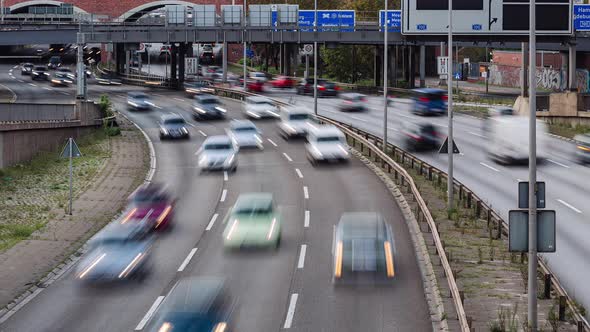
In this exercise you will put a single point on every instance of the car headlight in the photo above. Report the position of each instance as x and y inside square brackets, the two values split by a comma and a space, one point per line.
[46, 74]
[343, 150]
[184, 130]
[55, 81]
[68, 81]
[229, 160]
[258, 139]
[200, 110]
[220, 109]
[317, 151]
[290, 128]
[132, 103]
[164, 131]
[203, 160]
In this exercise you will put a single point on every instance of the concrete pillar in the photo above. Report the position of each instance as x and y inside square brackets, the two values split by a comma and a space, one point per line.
[181, 63]
[411, 68]
[572, 84]
[524, 90]
[224, 62]
[173, 63]
[422, 66]
[353, 51]
[127, 62]
[391, 67]
[378, 62]
[288, 52]
[394, 65]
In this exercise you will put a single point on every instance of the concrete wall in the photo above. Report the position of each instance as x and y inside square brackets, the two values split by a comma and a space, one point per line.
[564, 108]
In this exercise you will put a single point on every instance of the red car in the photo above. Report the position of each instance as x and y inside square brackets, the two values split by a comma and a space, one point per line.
[255, 86]
[150, 204]
[283, 82]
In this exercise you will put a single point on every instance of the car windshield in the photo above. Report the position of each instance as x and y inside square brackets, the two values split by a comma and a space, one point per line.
[175, 121]
[139, 96]
[61, 75]
[28, 65]
[218, 146]
[40, 68]
[184, 321]
[209, 101]
[244, 129]
[148, 197]
[328, 139]
[263, 103]
[54, 60]
[298, 116]
[257, 207]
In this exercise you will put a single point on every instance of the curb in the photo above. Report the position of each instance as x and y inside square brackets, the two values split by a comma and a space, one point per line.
[571, 140]
[14, 96]
[430, 285]
[27, 296]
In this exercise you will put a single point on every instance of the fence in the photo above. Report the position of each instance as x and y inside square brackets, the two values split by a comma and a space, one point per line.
[15, 112]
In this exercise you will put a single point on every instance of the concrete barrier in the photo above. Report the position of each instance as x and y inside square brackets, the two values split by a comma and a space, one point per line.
[25, 112]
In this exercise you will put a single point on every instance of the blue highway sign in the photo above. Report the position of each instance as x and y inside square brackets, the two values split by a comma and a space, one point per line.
[581, 17]
[394, 20]
[327, 19]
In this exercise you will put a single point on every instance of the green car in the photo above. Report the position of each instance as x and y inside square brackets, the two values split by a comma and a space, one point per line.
[253, 222]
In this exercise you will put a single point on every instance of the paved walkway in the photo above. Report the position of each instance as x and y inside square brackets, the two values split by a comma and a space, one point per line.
[30, 260]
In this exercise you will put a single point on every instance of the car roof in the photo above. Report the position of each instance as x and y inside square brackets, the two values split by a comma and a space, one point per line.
[326, 130]
[205, 97]
[194, 294]
[171, 116]
[217, 139]
[28, 64]
[241, 124]
[297, 110]
[352, 95]
[430, 90]
[362, 224]
[253, 199]
[258, 99]
[136, 94]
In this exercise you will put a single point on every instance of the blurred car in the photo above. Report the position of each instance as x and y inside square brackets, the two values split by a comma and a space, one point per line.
[294, 122]
[494, 113]
[255, 86]
[138, 101]
[150, 204]
[260, 107]
[196, 304]
[218, 153]
[582, 148]
[54, 62]
[207, 57]
[61, 79]
[26, 68]
[325, 88]
[209, 71]
[67, 71]
[363, 249]
[173, 126]
[283, 82]
[40, 73]
[108, 79]
[326, 144]
[197, 88]
[244, 134]
[258, 76]
[430, 101]
[253, 222]
[508, 139]
[208, 107]
[420, 136]
[121, 251]
[352, 102]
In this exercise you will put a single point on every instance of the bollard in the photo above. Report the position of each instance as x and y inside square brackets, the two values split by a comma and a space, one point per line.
[499, 235]
[489, 217]
[430, 173]
[562, 303]
[462, 296]
[470, 322]
[580, 326]
[547, 285]
[469, 200]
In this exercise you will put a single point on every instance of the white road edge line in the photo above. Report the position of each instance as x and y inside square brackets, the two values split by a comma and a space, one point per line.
[299, 174]
[359, 119]
[301, 262]
[557, 163]
[224, 175]
[178, 99]
[223, 194]
[149, 314]
[476, 134]
[271, 142]
[202, 133]
[291, 311]
[46, 88]
[210, 225]
[187, 260]
[305, 192]
[569, 205]
[32, 84]
[287, 156]
[306, 219]
[490, 167]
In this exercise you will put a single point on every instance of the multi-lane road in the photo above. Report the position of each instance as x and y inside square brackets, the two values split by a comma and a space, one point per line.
[287, 289]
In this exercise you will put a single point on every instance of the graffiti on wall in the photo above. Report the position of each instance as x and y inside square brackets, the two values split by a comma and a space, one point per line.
[583, 80]
[547, 78]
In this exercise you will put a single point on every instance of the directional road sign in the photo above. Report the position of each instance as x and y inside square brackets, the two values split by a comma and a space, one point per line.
[518, 231]
[582, 17]
[328, 18]
[65, 153]
[394, 20]
[445, 147]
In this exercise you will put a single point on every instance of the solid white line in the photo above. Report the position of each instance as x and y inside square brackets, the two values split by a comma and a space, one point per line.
[13, 77]
[299, 173]
[225, 176]
[187, 260]
[291, 311]
[15, 66]
[176, 98]
[305, 192]
[301, 262]
[476, 134]
[210, 225]
[202, 133]
[557, 163]
[287, 156]
[223, 194]
[31, 84]
[273, 143]
[569, 205]
[306, 220]
[46, 88]
[359, 119]
[149, 314]
[64, 93]
[490, 167]
[21, 81]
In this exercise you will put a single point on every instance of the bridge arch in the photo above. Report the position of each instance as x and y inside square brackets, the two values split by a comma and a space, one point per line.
[21, 7]
[137, 12]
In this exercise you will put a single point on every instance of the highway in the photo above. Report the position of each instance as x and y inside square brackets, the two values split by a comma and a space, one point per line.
[266, 285]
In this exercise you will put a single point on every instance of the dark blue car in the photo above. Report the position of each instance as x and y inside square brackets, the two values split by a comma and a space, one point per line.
[430, 101]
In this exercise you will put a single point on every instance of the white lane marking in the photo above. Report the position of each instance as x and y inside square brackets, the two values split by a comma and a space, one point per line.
[15, 66]
[393, 129]
[21, 81]
[291, 311]
[359, 119]
[64, 93]
[149, 314]
[287, 156]
[306, 219]
[223, 194]
[299, 174]
[569, 205]
[461, 154]
[225, 176]
[490, 167]
[192, 125]
[46, 88]
[202, 133]
[10, 71]
[476, 134]
[301, 261]
[13, 77]
[31, 84]
[182, 100]
[305, 192]
[212, 222]
[271, 142]
[557, 163]
[187, 260]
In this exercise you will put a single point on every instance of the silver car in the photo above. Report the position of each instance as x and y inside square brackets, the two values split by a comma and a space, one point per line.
[138, 101]
[244, 134]
[326, 144]
[260, 107]
[353, 102]
[218, 153]
[295, 121]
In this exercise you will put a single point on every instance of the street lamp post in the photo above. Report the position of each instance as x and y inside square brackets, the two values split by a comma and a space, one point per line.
[315, 59]
[245, 54]
[450, 111]
[385, 63]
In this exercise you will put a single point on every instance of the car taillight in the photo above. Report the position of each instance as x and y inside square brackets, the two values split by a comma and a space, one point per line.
[363, 99]
[337, 88]
[321, 88]
[348, 101]
[424, 99]
[416, 137]
[445, 98]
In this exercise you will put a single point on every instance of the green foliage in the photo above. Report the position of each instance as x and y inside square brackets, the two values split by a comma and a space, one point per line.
[340, 65]
[106, 106]
[248, 62]
[112, 131]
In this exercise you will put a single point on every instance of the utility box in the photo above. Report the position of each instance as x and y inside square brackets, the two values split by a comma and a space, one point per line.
[175, 14]
[260, 15]
[204, 15]
[288, 14]
[231, 14]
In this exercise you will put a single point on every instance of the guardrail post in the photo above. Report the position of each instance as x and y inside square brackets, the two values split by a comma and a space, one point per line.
[499, 235]
[547, 292]
[580, 326]
[489, 217]
[562, 303]
[469, 195]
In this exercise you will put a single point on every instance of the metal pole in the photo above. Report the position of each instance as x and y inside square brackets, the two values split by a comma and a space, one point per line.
[450, 178]
[245, 45]
[532, 282]
[71, 143]
[2, 9]
[385, 63]
[458, 66]
[315, 59]
[80, 67]
[306, 65]
[197, 61]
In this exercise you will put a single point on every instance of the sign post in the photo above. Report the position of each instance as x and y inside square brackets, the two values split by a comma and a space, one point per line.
[450, 178]
[70, 151]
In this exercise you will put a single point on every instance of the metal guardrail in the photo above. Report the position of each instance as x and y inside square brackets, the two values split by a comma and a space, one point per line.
[15, 112]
